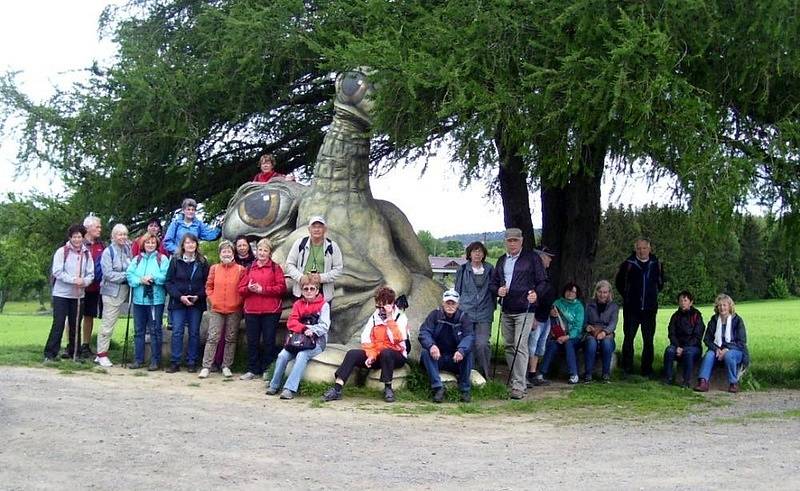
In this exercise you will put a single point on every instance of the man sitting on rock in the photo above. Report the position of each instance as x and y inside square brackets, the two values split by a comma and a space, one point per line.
[446, 337]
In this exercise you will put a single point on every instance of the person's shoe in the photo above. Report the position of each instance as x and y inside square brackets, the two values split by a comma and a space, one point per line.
[517, 394]
[702, 385]
[191, 368]
[573, 379]
[271, 391]
[287, 394]
[685, 384]
[85, 352]
[65, 355]
[587, 378]
[226, 372]
[247, 376]
[540, 381]
[332, 394]
[49, 361]
[172, 368]
[153, 367]
[103, 361]
[606, 378]
[135, 365]
[204, 373]
[733, 388]
[466, 396]
[438, 394]
[668, 381]
[388, 394]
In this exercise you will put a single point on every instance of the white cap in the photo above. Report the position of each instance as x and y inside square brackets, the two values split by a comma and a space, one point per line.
[450, 296]
[315, 219]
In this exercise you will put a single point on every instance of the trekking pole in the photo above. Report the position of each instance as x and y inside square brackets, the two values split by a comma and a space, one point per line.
[76, 338]
[127, 330]
[497, 340]
[519, 340]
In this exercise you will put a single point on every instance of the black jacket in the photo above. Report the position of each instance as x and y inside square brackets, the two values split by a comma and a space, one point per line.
[639, 284]
[449, 334]
[186, 279]
[686, 328]
[529, 274]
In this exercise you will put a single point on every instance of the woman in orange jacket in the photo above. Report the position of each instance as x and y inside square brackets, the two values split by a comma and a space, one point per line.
[383, 342]
[222, 289]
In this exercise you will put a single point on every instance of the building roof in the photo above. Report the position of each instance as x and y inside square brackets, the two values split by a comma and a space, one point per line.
[441, 264]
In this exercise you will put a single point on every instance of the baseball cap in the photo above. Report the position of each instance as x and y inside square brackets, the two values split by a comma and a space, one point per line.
[450, 296]
[315, 219]
[513, 233]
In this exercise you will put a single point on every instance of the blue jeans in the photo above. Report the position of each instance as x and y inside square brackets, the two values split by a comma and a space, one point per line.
[445, 362]
[147, 320]
[570, 348]
[607, 347]
[732, 360]
[537, 339]
[300, 362]
[180, 317]
[690, 356]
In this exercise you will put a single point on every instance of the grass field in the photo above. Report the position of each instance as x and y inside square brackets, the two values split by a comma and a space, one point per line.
[772, 328]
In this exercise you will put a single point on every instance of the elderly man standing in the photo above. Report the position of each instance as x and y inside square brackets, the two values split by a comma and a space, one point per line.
[446, 337]
[639, 279]
[92, 301]
[518, 279]
[317, 256]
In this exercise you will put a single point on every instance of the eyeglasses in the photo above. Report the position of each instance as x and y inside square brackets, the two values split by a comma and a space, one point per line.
[309, 288]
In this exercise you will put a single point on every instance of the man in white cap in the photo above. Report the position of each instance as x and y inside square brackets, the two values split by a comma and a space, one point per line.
[446, 337]
[316, 256]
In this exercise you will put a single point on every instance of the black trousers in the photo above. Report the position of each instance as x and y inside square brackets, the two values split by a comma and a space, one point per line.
[388, 360]
[261, 349]
[65, 310]
[633, 318]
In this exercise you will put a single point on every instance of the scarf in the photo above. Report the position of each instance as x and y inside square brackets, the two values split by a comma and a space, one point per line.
[719, 335]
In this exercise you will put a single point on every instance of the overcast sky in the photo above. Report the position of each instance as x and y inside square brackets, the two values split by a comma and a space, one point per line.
[52, 41]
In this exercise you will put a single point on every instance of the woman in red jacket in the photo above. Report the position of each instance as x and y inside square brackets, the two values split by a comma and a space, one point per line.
[262, 286]
[383, 343]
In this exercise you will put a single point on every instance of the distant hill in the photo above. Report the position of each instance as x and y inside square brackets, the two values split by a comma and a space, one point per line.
[482, 236]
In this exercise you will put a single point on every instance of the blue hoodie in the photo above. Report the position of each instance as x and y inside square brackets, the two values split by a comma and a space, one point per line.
[178, 228]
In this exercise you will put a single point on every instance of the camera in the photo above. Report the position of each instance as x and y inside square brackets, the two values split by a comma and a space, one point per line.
[148, 291]
[310, 319]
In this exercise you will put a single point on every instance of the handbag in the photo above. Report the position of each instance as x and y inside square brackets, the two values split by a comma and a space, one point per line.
[297, 341]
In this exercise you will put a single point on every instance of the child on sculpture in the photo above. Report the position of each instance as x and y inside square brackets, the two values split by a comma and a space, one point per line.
[311, 316]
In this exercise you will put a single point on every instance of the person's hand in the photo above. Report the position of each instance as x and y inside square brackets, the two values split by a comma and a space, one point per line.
[369, 362]
[601, 335]
[254, 287]
[563, 339]
[147, 279]
[502, 291]
[720, 353]
[457, 356]
[532, 296]
[185, 300]
[435, 353]
[679, 351]
[308, 332]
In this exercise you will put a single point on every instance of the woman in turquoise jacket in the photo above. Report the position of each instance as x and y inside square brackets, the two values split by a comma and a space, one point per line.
[146, 275]
[567, 331]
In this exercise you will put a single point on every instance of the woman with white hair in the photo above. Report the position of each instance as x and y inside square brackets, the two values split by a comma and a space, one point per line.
[601, 323]
[726, 339]
[114, 288]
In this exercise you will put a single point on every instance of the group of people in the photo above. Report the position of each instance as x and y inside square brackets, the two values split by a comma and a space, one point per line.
[92, 280]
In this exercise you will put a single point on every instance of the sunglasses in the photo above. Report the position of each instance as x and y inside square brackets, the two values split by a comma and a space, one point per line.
[309, 288]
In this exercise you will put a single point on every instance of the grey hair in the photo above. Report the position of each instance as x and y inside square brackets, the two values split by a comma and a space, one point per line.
[188, 202]
[90, 219]
[604, 284]
[118, 228]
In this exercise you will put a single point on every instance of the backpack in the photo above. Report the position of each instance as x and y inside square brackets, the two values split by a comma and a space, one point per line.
[64, 264]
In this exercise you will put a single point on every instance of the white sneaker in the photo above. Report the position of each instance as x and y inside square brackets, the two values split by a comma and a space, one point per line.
[103, 361]
[573, 379]
[247, 376]
[226, 372]
[203, 373]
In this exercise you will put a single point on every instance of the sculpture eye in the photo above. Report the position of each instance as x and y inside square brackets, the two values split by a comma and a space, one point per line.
[261, 208]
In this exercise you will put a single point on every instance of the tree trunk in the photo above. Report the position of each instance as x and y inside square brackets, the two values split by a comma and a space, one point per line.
[513, 179]
[571, 221]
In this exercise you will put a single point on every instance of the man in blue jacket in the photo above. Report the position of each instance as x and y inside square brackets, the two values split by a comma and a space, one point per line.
[187, 222]
[446, 337]
[639, 279]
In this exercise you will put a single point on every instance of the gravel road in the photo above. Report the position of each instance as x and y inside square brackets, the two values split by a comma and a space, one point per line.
[119, 431]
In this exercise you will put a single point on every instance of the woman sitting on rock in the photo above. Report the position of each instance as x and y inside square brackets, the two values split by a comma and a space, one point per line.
[601, 322]
[311, 317]
[567, 333]
[726, 339]
[383, 342]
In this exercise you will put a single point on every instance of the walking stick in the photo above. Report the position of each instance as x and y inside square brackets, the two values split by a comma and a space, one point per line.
[127, 330]
[519, 340]
[76, 338]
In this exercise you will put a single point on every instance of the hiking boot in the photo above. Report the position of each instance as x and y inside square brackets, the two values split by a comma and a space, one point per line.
[573, 379]
[103, 361]
[388, 394]
[247, 376]
[153, 367]
[85, 352]
[135, 365]
[587, 378]
[271, 391]
[702, 385]
[466, 396]
[668, 381]
[438, 394]
[65, 355]
[226, 372]
[332, 394]
[191, 368]
[733, 388]
[606, 378]
[204, 373]
[172, 368]
[517, 394]
[540, 381]
[287, 394]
